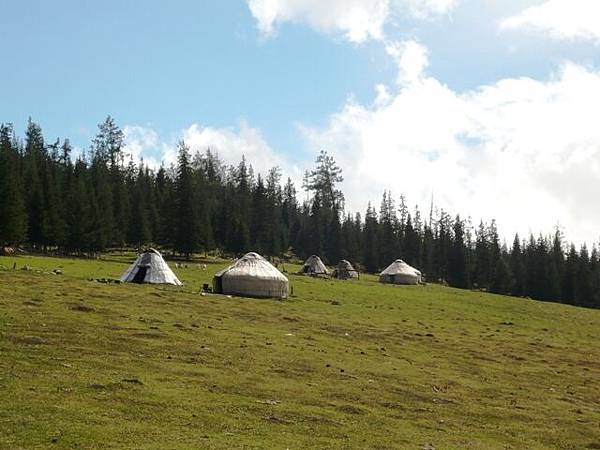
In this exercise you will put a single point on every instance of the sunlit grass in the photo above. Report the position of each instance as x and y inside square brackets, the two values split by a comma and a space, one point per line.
[350, 364]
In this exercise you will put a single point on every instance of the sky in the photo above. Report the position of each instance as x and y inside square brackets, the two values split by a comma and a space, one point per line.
[490, 107]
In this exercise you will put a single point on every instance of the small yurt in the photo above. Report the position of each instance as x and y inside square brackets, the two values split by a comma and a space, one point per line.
[345, 271]
[251, 276]
[313, 266]
[150, 267]
[400, 272]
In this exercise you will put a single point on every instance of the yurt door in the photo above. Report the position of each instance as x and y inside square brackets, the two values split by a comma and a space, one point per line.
[218, 285]
[140, 276]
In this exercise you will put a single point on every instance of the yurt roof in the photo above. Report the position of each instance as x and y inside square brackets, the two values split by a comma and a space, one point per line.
[345, 264]
[315, 262]
[399, 267]
[252, 265]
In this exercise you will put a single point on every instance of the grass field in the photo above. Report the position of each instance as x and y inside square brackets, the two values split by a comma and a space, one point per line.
[338, 365]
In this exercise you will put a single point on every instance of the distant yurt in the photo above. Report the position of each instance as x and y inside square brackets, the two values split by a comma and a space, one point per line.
[400, 272]
[345, 271]
[313, 266]
[150, 267]
[251, 276]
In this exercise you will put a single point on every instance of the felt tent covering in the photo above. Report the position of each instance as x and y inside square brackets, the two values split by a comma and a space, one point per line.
[251, 276]
[314, 266]
[400, 272]
[345, 271]
[150, 267]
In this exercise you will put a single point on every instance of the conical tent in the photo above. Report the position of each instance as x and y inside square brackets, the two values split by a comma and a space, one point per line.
[251, 276]
[345, 271]
[314, 266]
[400, 272]
[150, 267]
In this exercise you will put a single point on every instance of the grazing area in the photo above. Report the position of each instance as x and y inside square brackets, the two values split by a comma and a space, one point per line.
[339, 364]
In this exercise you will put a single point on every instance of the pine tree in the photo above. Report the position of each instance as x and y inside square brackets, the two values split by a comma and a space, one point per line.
[503, 280]
[388, 229]
[517, 267]
[323, 181]
[167, 208]
[569, 283]
[33, 160]
[81, 211]
[428, 266]
[333, 241]
[186, 233]
[315, 228]
[260, 227]
[289, 212]
[458, 272]
[584, 292]
[370, 256]
[276, 231]
[139, 229]
[13, 219]
[443, 244]
[595, 277]
[412, 243]
[483, 257]
[326, 206]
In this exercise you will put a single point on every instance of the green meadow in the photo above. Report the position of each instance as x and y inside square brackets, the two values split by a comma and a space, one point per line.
[338, 365]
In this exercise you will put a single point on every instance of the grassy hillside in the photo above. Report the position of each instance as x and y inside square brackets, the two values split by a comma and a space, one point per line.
[339, 365]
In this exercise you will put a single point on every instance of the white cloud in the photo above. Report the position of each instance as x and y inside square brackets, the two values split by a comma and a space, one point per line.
[523, 151]
[230, 145]
[411, 57]
[561, 19]
[357, 20]
[143, 142]
[429, 8]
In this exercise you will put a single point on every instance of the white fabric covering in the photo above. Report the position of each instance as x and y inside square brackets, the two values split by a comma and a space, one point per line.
[157, 270]
[400, 272]
[314, 266]
[345, 271]
[251, 276]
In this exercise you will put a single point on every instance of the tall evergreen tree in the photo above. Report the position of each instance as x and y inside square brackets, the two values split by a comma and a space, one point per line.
[186, 234]
[388, 231]
[458, 271]
[13, 218]
[517, 267]
[370, 256]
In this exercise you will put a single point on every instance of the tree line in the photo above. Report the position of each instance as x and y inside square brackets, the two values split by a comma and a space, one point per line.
[51, 200]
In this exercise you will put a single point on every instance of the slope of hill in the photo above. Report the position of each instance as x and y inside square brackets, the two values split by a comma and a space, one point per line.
[339, 365]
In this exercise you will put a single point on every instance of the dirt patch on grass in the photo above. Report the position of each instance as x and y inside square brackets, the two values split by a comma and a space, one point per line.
[291, 319]
[80, 307]
[33, 302]
[147, 335]
[28, 340]
[350, 409]
[278, 420]
[116, 385]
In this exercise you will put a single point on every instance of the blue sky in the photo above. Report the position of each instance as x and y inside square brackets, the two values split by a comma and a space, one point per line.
[463, 100]
[169, 64]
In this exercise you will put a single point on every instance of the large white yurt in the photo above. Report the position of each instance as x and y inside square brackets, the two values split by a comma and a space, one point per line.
[313, 266]
[150, 267]
[345, 271]
[400, 272]
[251, 276]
